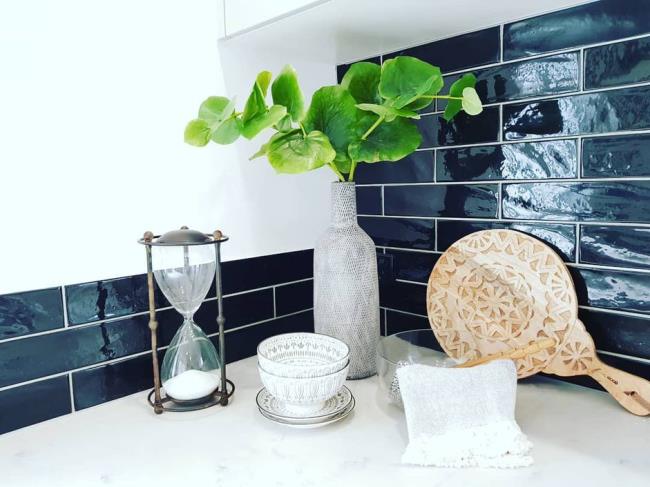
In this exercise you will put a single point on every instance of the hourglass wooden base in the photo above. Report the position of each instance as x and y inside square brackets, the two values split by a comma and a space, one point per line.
[159, 401]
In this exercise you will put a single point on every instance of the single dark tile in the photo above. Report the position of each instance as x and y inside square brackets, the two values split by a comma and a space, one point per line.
[478, 201]
[534, 160]
[550, 75]
[414, 168]
[615, 246]
[585, 24]
[238, 310]
[33, 403]
[560, 237]
[606, 111]
[385, 265]
[463, 129]
[617, 64]
[397, 322]
[382, 321]
[619, 156]
[412, 266]
[110, 298]
[241, 344]
[618, 333]
[109, 382]
[403, 296]
[589, 201]
[369, 200]
[454, 53]
[616, 290]
[413, 233]
[341, 69]
[294, 297]
[246, 274]
[30, 312]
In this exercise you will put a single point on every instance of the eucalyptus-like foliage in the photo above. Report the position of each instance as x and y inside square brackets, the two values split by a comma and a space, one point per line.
[367, 118]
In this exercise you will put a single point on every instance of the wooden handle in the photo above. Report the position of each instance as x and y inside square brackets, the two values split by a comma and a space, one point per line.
[632, 392]
[514, 353]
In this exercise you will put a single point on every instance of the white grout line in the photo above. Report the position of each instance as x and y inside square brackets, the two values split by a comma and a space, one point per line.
[383, 211]
[619, 312]
[406, 281]
[275, 311]
[631, 358]
[65, 308]
[72, 408]
[578, 230]
[501, 29]
[404, 312]
[484, 182]
[407, 249]
[435, 234]
[628, 270]
[278, 285]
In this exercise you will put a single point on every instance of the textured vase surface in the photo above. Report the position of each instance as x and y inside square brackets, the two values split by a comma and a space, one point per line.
[346, 288]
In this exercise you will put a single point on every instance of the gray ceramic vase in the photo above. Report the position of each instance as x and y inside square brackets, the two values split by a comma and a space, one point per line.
[346, 288]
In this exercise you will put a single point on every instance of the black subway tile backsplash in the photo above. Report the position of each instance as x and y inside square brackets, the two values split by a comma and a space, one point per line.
[462, 130]
[411, 266]
[290, 298]
[30, 312]
[618, 64]
[341, 69]
[534, 160]
[32, 403]
[592, 113]
[477, 201]
[615, 290]
[397, 322]
[613, 157]
[617, 333]
[403, 296]
[584, 201]
[615, 246]
[369, 200]
[594, 22]
[415, 233]
[414, 168]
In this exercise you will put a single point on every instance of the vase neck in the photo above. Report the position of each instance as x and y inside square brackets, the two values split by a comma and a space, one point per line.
[344, 204]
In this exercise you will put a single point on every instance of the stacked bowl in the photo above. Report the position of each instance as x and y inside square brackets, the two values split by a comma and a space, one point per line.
[303, 370]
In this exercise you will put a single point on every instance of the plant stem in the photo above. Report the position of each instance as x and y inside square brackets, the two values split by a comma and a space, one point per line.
[304, 134]
[353, 166]
[336, 171]
[372, 127]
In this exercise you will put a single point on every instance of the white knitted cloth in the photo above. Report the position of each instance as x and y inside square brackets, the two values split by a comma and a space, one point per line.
[463, 417]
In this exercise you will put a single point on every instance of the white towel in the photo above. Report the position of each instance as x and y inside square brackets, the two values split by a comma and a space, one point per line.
[463, 417]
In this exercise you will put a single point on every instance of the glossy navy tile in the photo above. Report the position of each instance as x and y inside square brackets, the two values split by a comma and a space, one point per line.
[618, 333]
[586, 24]
[606, 111]
[32, 403]
[618, 64]
[477, 201]
[615, 246]
[588, 201]
[412, 266]
[549, 75]
[616, 290]
[268, 270]
[397, 322]
[110, 298]
[463, 129]
[454, 53]
[369, 200]
[30, 312]
[385, 265]
[403, 296]
[239, 310]
[535, 160]
[108, 382]
[341, 69]
[294, 297]
[414, 168]
[619, 156]
[241, 344]
[560, 237]
[415, 233]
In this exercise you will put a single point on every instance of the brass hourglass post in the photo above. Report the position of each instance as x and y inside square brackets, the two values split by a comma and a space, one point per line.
[218, 236]
[153, 326]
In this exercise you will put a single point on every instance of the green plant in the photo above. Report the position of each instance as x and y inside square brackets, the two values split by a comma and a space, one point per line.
[367, 118]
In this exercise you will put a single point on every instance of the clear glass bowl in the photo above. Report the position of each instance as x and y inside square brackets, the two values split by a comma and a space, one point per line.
[302, 355]
[405, 348]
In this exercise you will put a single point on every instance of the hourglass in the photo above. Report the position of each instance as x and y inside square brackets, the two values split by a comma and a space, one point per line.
[184, 264]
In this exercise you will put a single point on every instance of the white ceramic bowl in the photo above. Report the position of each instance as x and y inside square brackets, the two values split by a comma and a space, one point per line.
[303, 395]
[302, 355]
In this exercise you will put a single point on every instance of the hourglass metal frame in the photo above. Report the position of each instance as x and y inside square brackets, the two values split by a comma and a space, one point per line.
[226, 389]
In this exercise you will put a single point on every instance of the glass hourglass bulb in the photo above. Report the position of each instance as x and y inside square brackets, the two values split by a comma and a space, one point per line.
[191, 366]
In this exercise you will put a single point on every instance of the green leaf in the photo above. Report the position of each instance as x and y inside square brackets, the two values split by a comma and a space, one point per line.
[286, 91]
[362, 81]
[216, 109]
[294, 153]
[333, 112]
[284, 125]
[197, 133]
[253, 126]
[263, 150]
[256, 103]
[471, 102]
[454, 106]
[390, 141]
[405, 80]
[227, 131]
[389, 113]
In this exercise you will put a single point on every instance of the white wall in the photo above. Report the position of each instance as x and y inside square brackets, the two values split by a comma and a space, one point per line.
[94, 96]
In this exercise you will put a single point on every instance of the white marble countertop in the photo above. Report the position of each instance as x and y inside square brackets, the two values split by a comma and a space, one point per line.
[580, 436]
